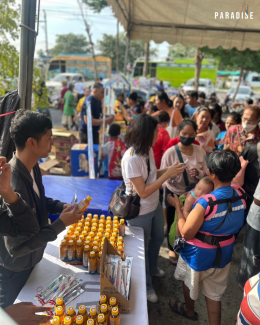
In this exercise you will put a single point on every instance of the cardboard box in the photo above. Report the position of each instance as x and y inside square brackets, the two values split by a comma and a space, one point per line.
[63, 139]
[106, 287]
[79, 159]
[54, 167]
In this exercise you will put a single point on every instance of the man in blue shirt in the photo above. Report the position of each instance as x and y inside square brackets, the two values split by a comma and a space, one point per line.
[96, 112]
[192, 102]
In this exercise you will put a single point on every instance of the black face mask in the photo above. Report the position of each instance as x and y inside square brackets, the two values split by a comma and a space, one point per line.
[186, 141]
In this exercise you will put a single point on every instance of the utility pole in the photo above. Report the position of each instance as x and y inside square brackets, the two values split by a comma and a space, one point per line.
[90, 39]
[146, 60]
[126, 52]
[46, 43]
[117, 47]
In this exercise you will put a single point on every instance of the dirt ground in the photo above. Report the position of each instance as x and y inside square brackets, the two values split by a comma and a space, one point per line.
[169, 288]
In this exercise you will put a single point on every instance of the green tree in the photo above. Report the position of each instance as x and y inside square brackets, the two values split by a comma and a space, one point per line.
[107, 47]
[9, 59]
[70, 43]
[96, 5]
[180, 51]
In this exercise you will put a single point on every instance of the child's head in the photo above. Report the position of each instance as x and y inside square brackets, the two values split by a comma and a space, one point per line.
[114, 130]
[152, 109]
[203, 187]
[163, 119]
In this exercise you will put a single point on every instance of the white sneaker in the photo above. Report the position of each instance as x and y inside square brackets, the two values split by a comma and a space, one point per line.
[160, 273]
[152, 297]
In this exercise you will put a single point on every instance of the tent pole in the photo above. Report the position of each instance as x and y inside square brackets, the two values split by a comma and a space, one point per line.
[126, 53]
[23, 52]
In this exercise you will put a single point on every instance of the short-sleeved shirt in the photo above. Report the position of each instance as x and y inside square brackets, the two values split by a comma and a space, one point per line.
[80, 88]
[135, 166]
[115, 150]
[236, 138]
[63, 92]
[69, 99]
[160, 145]
[190, 110]
[96, 112]
[80, 103]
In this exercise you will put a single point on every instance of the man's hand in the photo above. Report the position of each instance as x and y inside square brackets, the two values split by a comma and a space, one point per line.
[69, 217]
[5, 177]
[24, 313]
[65, 206]
[109, 120]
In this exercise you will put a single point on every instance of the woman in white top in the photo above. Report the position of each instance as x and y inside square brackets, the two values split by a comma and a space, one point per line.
[140, 138]
[194, 156]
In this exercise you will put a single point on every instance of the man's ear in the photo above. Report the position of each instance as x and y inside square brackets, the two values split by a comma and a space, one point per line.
[31, 143]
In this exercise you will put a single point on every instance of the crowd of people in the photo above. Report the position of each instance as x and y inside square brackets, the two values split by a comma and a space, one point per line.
[197, 177]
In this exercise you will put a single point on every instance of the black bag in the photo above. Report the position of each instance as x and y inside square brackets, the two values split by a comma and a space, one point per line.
[125, 206]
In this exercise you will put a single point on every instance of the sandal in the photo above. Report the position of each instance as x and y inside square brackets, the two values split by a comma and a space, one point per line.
[182, 311]
[173, 260]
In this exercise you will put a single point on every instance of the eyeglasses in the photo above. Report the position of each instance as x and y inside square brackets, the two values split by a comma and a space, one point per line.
[247, 120]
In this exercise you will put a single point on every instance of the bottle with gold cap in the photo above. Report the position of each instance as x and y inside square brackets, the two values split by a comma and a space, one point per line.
[102, 217]
[79, 250]
[73, 237]
[105, 312]
[82, 206]
[92, 263]
[84, 234]
[93, 314]
[99, 261]
[71, 312]
[91, 322]
[80, 320]
[60, 312]
[121, 251]
[89, 215]
[81, 237]
[60, 302]
[86, 255]
[101, 320]
[109, 218]
[102, 300]
[114, 317]
[120, 240]
[71, 250]
[96, 250]
[56, 321]
[112, 304]
[87, 243]
[122, 227]
[66, 238]
[115, 218]
[63, 250]
[69, 234]
[89, 238]
[67, 320]
[83, 312]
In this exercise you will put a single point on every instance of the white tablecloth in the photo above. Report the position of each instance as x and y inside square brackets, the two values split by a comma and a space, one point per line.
[51, 267]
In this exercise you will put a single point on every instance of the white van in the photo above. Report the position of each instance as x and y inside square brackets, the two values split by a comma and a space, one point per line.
[253, 79]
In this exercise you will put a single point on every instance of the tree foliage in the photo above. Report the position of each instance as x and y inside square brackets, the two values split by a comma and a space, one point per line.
[9, 59]
[70, 43]
[180, 51]
[107, 47]
[96, 5]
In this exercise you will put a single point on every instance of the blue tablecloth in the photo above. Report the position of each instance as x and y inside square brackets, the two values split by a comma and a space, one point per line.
[63, 188]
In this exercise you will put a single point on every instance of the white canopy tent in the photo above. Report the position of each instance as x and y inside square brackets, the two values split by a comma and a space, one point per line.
[201, 23]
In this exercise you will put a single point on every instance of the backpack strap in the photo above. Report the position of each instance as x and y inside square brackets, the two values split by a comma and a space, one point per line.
[241, 192]
[185, 176]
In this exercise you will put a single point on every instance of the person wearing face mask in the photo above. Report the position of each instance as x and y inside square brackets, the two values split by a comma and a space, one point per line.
[239, 136]
[196, 169]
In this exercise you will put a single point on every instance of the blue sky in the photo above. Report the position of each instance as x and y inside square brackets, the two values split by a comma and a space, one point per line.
[63, 16]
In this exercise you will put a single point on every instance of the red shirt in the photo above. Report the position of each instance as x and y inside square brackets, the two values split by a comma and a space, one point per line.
[64, 90]
[175, 141]
[160, 145]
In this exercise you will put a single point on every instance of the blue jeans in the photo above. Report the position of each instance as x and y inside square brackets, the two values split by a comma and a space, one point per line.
[152, 224]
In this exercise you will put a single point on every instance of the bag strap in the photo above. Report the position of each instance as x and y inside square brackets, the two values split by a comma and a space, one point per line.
[185, 175]
[258, 152]
[148, 168]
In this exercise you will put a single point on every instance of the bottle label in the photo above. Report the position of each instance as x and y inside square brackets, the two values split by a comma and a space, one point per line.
[63, 253]
[71, 254]
[85, 260]
[114, 321]
[121, 231]
[92, 266]
[81, 205]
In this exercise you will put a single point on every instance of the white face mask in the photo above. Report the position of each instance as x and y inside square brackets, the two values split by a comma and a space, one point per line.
[249, 127]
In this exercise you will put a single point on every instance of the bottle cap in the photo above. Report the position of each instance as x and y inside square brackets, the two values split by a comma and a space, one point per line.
[82, 309]
[73, 237]
[100, 254]
[89, 198]
[89, 215]
[92, 254]
[92, 234]
[103, 308]
[87, 243]
[67, 320]
[109, 218]
[90, 322]
[79, 242]
[71, 242]
[107, 235]
[59, 310]
[66, 237]
[95, 216]
[89, 238]
[79, 320]
[112, 301]
[92, 311]
[96, 239]
[115, 218]
[76, 233]
[56, 320]
[122, 221]
[120, 248]
[115, 311]
[63, 242]
[99, 235]
[84, 233]
[120, 238]
[78, 229]
[70, 310]
[103, 299]
[95, 249]
[87, 248]
[101, 318]
[112, 238]
[59, 301]
[102, 217]
[81, 237]
[95, 243]
[112, 243]
[80, 224]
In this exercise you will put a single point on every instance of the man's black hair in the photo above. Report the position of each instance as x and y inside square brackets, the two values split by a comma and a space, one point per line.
[133, 96]
[202, 95]
[154, 108]
[249, 101]
[141, 133]
[27, 124]
[97, 86]
[225, 164]
[192, 93]
[114, 130]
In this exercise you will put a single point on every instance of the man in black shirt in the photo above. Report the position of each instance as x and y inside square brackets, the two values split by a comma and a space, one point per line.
[96, 112]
